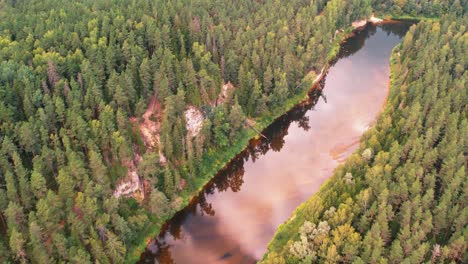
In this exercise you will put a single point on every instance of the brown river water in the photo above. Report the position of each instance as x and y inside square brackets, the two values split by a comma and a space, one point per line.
[236, 215]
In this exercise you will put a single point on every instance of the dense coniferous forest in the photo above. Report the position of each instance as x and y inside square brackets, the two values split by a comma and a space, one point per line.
[111, 111]
[420, 8]
[402, 197]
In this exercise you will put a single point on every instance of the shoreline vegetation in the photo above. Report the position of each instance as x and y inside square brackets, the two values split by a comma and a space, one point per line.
[249, 134]
[331, 214]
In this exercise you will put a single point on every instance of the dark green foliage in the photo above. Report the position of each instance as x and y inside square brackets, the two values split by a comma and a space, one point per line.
[421, 8]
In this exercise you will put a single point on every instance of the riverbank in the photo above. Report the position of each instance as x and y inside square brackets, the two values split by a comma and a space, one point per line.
[216, 161]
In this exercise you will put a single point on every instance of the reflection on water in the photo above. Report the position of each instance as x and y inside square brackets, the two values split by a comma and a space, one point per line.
[235, 216]
[3, 227]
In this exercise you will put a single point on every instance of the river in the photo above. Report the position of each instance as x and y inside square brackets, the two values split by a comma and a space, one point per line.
[235, 216]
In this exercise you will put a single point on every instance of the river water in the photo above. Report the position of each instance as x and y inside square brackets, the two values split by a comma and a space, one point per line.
[235, 216]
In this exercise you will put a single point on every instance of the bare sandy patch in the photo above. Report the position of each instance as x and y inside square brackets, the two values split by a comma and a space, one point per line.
[150, 127]
[194, 119]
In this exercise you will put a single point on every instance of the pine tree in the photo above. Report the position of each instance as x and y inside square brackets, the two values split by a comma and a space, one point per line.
[168, 183]
[11, 190]
[255, 96]
[38, 185]
[396, 252]
[158, 202]
[17, 246]
[280, 91]
[220, 128]
[146, 78]
[23, 181]
[236, 119]
[115, 248]
[190, 83]
[190, 151]
[267, 80]
[38, 249]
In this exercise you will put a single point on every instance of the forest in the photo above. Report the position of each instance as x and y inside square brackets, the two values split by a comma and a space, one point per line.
[402, 197]
[113, 113]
